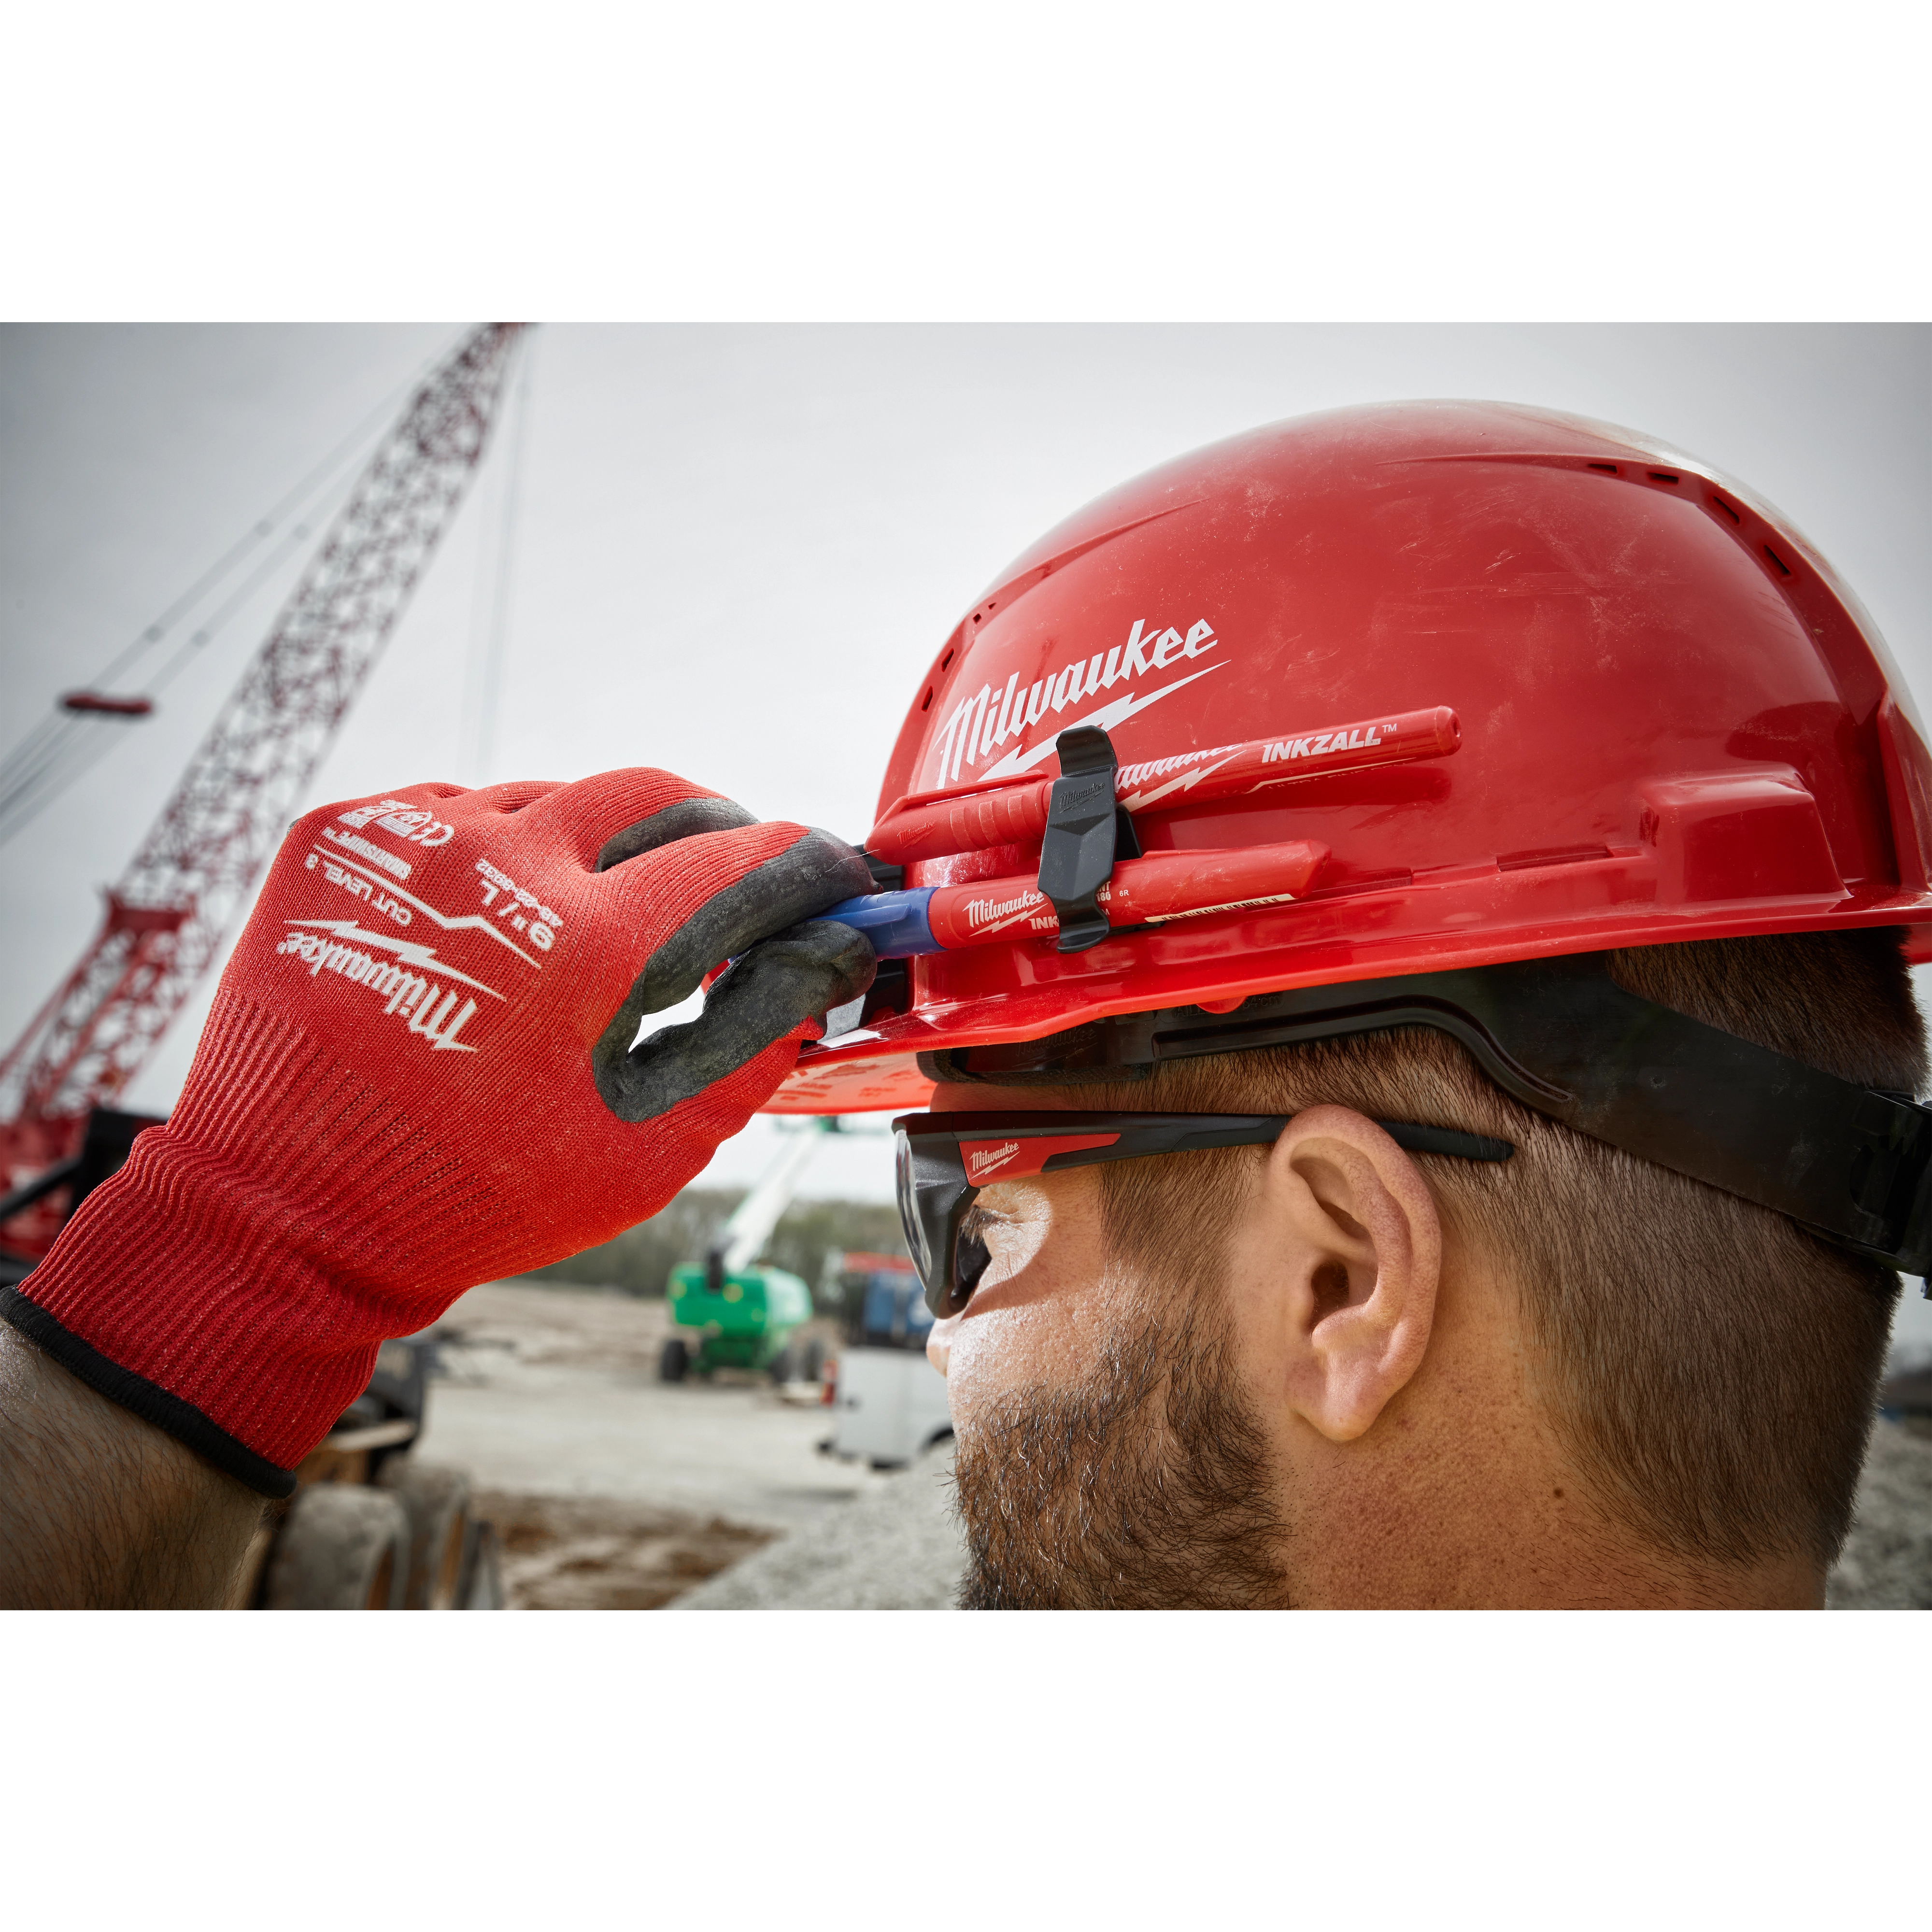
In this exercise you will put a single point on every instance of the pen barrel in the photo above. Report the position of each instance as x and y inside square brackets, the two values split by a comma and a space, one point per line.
[896, 923]
[1234, 771]
[1015, 815]
[1171, 885]
[973, 822]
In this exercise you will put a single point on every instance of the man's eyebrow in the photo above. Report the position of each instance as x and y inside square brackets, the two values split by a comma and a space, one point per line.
[987, 1211]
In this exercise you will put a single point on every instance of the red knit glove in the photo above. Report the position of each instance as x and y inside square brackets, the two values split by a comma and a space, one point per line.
[418, 1075]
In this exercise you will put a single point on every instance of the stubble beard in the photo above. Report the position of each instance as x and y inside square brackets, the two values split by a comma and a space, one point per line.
[1148, 1487]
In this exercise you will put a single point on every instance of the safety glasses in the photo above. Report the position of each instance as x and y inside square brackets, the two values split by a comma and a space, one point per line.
[944, 1160]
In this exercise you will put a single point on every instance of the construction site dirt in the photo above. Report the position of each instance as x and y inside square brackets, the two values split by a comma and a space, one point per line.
[612, 1490]
[596, 1553]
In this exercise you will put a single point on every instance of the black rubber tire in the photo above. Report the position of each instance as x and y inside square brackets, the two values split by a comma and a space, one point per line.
[674, 1364]
[340, 1547]
[482, 1585]
[781, 1368]
[812, 1369]
[438, 1502]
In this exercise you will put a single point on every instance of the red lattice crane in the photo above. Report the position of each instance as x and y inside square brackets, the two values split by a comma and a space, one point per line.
[169, 912]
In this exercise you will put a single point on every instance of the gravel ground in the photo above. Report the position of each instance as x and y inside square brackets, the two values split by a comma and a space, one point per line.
[612, 1490]
[1887, 1563]
[897, 1549]
[554, 1392]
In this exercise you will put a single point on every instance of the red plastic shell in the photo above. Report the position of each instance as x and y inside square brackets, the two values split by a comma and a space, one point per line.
[1676, 722]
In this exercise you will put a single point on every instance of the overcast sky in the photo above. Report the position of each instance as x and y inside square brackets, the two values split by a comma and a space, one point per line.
[738, 547]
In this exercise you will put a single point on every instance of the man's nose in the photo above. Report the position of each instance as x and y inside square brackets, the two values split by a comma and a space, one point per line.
[939, 1343]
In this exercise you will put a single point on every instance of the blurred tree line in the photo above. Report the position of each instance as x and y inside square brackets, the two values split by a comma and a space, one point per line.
[641, 1259]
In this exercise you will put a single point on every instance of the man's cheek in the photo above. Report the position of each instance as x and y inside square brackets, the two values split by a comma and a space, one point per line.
[1033, 1346]
[983, 1357]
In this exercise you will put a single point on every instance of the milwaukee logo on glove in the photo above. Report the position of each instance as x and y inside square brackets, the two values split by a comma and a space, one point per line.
[411, 984]
[417, 1000]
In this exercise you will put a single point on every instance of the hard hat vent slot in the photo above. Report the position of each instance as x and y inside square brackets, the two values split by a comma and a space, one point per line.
[1731, 835]
[1718, 503]
[1777, 563]
[1561, 855]
[1608, 469]
[1664, 476]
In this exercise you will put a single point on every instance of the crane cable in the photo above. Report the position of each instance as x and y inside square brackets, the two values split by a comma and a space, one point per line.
[65, 744]
[491, 611]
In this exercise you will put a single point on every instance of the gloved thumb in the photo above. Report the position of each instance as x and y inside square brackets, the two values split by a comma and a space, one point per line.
[766, 993]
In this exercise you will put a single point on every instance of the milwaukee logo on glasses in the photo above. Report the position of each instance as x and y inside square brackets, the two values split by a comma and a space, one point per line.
[983, 1161]
[1011, 1159]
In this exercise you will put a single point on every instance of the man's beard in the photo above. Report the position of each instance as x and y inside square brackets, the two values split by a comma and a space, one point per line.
[1147, 1487]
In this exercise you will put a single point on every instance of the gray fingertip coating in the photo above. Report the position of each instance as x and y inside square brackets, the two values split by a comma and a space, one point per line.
[814, 871]
[684, 820]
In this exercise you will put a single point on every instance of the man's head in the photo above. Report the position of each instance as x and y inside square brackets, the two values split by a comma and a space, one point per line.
[1475, 768]
[1332, 1371]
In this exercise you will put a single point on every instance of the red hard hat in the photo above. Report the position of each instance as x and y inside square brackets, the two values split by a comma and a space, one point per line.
[1595, 695]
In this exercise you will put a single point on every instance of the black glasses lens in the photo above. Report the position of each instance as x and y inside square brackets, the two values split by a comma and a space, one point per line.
[907, 1189]
[970, 1261]
[933, 1194]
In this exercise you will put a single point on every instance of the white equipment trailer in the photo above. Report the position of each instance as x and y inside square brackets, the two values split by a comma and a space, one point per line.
[888, 1401]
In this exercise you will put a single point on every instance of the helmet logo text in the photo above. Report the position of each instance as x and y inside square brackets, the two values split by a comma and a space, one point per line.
[978, 725]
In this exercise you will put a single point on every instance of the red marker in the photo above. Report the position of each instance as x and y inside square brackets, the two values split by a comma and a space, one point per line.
[1142, 892]
[937, 824]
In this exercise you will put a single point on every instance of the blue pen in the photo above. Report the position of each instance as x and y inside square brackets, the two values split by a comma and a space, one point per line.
[896, 923]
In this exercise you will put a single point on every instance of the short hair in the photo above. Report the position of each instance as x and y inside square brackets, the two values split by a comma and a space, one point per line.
[1712, 1368]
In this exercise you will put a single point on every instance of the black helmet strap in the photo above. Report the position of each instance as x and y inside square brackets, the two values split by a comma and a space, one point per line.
[1853, 1164]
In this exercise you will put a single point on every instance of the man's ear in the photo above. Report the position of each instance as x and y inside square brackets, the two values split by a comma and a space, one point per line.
[1348, 1247]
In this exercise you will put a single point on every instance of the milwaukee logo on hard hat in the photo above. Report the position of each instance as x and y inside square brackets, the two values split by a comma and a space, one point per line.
[980, 724]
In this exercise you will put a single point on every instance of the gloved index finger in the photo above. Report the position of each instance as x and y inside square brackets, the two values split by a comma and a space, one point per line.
[686, 819]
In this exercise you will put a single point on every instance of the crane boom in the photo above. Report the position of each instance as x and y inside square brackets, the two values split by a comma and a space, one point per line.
[168, 913]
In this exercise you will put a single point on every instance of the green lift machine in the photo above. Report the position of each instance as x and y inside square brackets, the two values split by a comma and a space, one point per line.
[732, 1311]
